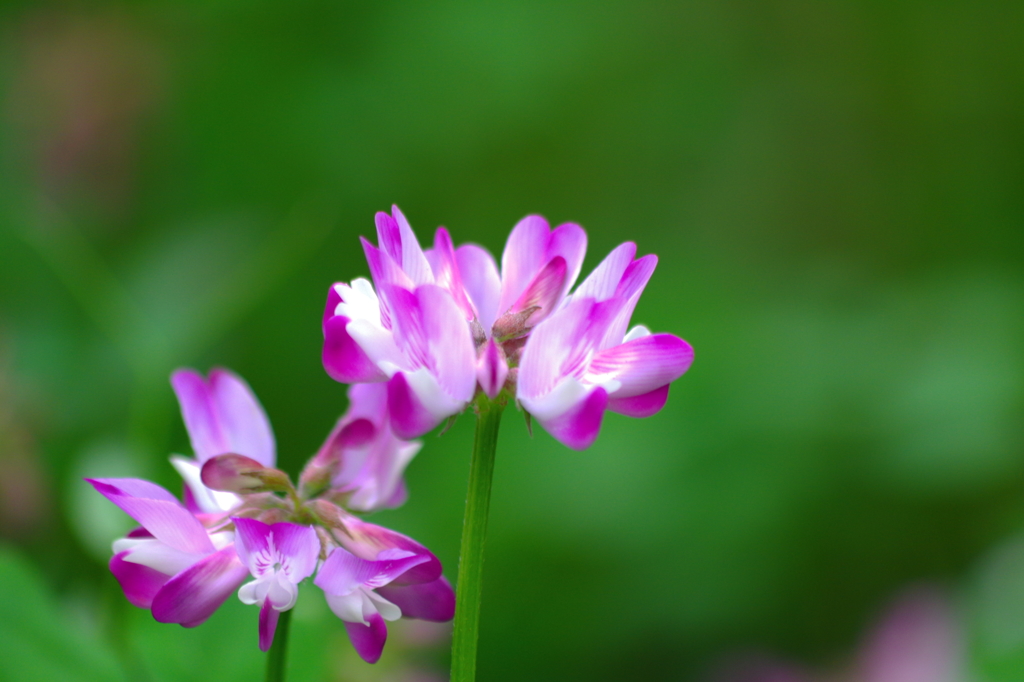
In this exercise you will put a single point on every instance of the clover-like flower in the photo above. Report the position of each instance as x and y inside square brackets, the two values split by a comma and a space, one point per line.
[581, 360]
[279, 557]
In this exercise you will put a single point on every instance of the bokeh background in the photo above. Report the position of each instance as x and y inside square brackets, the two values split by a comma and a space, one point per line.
[836, 194]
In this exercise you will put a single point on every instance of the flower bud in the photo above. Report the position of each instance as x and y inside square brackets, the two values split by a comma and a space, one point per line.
[240, 474]
[324, 466]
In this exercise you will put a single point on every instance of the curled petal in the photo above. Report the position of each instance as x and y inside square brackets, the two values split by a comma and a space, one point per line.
[397, 240]
[243, 475]
[433, 601]
[199, 499]
[368, 640]
[194, 594]
[545, 289]
[140, 583]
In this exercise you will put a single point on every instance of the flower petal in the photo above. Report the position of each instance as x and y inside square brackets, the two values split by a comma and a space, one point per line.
[524, 255]
[570, 242]
[411, 257]
[603, 282]
[446, 272]
[167, 520]
[295, 546]
[491, 369]
[368, 640]
[556, 348]
[343, 572]
[140, 583]
[367, 541]
[544, 292]
[643, 405]
[268, 624]
[481, 280]
[222, 415]
[579, 426]
[194, 594]
[642, 365]
[410, 416]
[433, 601]
[343, 357]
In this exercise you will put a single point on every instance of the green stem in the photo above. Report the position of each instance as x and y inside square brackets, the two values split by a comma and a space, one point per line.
[279, 649]
[474, 531]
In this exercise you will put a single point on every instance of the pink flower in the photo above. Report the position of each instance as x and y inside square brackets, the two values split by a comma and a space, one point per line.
[172, 565]
[279, 557]
[362, 460]
[222, 416]
[581, 360]
[440, 321]
[378, 575]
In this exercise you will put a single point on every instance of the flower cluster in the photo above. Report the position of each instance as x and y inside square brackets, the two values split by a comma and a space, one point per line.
[437, 325]
[435, 329]
[244, 526]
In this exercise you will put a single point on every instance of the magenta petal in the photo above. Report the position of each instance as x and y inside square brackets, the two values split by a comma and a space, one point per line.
[413, 262]
[446, 272]
[570, 242]
[492, 369]
[643, 405]
[333, 299]
[433, 601]
[544, 291]
[409, 418]
[603, 282]
[343, 571]
[449, 342]
[140, 583]
[222, 415]
[343, 358]
[299, 544]
[480, 277]
[194, 594]
[578, 427]
[167, 520]
[525, 253]
[644, 364]
[268, 624]
[368, 640]
[368, 540]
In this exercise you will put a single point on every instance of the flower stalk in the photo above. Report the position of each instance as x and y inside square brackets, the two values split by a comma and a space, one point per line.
[276, 657]
[474, 532]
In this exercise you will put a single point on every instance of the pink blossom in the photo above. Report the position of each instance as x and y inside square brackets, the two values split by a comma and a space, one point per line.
[279, 557]
[581, 360]
[378, 575]
[362, 460]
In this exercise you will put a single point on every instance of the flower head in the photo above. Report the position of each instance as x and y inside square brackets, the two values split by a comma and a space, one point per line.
[247, 519]
[566, 358]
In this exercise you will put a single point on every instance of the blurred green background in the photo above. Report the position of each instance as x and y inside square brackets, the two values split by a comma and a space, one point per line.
[835, 191]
